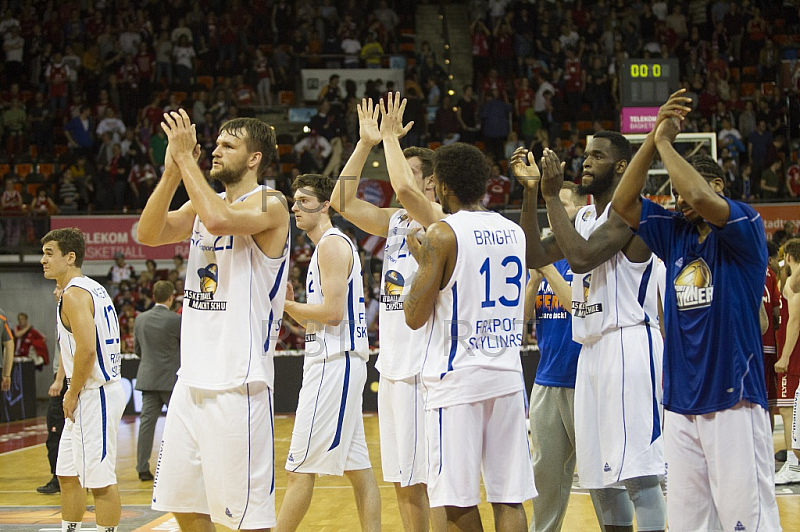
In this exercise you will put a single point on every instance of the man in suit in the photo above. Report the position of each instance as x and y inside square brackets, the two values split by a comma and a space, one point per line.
[156, 340]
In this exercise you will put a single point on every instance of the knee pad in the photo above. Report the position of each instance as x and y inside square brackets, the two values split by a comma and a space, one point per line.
[648, 500]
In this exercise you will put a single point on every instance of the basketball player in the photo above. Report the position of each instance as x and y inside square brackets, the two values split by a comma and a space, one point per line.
[615, 318]
[400, 399]
[551, 412]
[772, 304]
[328, 435]
[788, 366]
[468, 295]
[718, 441]
[217, 457]
[88, 337]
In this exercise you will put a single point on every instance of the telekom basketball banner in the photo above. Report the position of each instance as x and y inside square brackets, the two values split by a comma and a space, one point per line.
[638, 119]
[777, 214]
[105, 235]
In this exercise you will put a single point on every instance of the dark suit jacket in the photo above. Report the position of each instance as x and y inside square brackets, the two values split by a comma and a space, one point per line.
[157, 341]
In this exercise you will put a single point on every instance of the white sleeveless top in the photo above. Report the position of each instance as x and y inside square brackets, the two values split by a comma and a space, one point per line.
[106, 324]
[475, 332]
[232, 309]
[401, 346]
[326, 341]
[618, 293]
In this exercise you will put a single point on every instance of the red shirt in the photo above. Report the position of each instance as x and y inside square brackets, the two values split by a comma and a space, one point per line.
[525, 99]
[771, 299]
[480, 44]
[573, 81]
[144, 61]
[794, 360]
[58, 80]
[496, 190]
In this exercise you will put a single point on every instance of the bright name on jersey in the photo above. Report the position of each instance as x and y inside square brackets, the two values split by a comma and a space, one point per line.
[581, 309]
[498, 237]
[496, 334]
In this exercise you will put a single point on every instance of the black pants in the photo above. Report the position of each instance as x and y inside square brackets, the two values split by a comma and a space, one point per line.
[55, 425]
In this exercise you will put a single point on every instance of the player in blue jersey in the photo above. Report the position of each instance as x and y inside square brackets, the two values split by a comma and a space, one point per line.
[718, 441]
[552, 404]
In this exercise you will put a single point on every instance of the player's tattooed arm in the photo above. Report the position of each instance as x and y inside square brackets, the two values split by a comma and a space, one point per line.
[366, 216]
[435, 254]
[538, 252]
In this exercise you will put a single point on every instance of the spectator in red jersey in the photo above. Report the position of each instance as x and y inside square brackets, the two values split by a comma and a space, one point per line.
[524, 97]
[497, 189]
[574, 83]
[142, 180]
[57, 76]
[772, 305]
[266, 78]
[493, 82]
[30, 342]
[480, 48]
[244, 96]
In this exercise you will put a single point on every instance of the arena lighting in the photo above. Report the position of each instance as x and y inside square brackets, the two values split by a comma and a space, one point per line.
[306, 129]
[375, 164]
[446, 46]
[450, 77]
[446, 61]
[451, 92]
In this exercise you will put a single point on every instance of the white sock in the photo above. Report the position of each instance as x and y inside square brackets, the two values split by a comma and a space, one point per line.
[791, 458]
[101, 528]
[70, 526]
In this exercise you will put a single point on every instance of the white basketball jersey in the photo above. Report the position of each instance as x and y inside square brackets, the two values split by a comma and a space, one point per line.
[475, 332]
[106, 324]
[232, 309]
[326, 341]
[401, 346]
[618, 293]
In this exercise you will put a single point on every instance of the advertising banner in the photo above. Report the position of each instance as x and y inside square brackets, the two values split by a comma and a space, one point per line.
[105, 235]
[638, 119]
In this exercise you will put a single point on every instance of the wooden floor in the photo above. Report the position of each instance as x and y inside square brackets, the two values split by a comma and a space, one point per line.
[24, 466]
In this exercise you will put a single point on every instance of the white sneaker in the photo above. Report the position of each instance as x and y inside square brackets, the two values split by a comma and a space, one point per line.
[787, 476]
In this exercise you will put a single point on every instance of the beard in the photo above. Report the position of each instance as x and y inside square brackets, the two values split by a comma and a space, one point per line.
[229, 175]
[599, 185]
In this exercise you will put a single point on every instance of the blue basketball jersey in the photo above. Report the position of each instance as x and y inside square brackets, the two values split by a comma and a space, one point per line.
[558, 353]
[712, 354]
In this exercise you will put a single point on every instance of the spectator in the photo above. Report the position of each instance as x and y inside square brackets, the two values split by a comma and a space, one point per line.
[158, 150]
[41, 123]
[372, 51]
[184, 55]
[13, 46]
[446, 127]
[142, 180]
[352, 48]
[467, 113]
[57, 75]
[495, 124]
[266, 79]
[415, 111]
[771, 181]
[312, 152]
[30, 342]
[111, 124]
[434, 92]
[163, 58]
[14, 122]
[757, 148]
[11, 208]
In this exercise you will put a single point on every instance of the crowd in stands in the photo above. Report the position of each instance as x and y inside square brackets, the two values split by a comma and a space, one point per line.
[83, 86]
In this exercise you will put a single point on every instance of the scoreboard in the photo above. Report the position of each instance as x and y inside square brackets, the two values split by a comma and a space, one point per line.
[648, 82]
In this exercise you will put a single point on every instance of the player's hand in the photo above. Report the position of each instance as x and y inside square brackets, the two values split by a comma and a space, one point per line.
[180, 132]
[70, 404]
[368, 122]
[668, 130]
[782, 365]
[55, 388]
[289, 292]
[524, 167]
[392, 117]
[418, 246]
[6, 384]
[552, 174]
[676, 107]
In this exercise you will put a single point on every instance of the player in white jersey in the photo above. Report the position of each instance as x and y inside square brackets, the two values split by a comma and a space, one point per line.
[468, 295]
[219, 424]
[88, 337]
[615, 317]
[328, 435]
[400, 399]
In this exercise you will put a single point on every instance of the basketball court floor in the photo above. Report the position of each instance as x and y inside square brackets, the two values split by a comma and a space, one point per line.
[24, 466]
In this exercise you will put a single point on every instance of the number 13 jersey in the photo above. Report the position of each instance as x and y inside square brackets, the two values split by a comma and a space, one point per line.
[106, 325]
[474, 336]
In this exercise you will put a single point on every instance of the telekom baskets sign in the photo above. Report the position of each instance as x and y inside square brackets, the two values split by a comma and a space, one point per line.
[638, 119]
[105, 235]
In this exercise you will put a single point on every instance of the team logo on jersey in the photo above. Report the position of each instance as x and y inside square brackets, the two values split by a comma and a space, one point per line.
[586, 215]
[393, 284]
[204, 299]
[694, 287]
[579, 308]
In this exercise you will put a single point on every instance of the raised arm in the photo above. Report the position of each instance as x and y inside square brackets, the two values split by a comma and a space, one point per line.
[408, 191]
[363, 214]
[333, 252]
[627, 203]
[435, 254]
[248, 217]
[157, 225]
[531, 291]
[560, 286]
[584, 254]
[539, 252]
[693, 187]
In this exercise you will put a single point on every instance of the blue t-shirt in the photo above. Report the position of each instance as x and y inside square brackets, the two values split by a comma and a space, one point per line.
[712, 353]
[558, 354]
